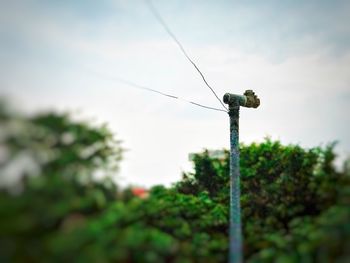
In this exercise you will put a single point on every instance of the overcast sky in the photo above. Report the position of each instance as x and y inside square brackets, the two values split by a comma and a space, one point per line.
[65, 55]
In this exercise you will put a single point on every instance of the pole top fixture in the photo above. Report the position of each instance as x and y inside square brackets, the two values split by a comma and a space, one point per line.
[248, 99]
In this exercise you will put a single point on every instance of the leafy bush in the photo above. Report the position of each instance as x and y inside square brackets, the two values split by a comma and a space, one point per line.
[287, 193]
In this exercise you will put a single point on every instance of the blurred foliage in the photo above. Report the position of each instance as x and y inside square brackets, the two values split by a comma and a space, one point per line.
[295, 205]
[48, 170]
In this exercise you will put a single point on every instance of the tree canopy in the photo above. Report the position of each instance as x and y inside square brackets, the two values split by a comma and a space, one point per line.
[295, 204]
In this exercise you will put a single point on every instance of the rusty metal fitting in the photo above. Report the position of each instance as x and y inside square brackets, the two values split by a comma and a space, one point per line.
[248, 99]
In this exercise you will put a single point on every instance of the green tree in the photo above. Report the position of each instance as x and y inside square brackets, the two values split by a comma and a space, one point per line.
[295, 204]
[54, 161]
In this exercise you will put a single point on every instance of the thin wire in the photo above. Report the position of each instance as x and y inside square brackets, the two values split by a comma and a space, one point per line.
[162, 22]
[132, 84]
[165, 94]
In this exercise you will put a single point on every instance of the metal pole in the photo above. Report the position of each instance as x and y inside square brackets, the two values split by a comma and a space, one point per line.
[235, 208]
[250, 100]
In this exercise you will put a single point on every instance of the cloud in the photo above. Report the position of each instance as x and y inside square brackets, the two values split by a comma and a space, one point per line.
[64, 59]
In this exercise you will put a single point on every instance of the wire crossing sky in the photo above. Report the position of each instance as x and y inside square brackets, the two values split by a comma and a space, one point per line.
[134, 85]
[172, 35]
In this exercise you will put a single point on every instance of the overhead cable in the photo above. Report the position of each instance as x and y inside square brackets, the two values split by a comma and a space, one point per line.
[137, 86]
[171, 34]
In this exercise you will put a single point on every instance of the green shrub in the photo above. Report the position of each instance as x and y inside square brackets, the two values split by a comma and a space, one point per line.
[285, 191]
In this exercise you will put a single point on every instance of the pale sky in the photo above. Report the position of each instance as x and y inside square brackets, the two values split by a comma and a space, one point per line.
[295, 55]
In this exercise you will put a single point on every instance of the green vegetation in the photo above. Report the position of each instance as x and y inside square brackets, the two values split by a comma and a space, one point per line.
[295, 205]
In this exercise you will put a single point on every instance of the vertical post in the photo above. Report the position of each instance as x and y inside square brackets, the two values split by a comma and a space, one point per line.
[235, 255]
[250, 100]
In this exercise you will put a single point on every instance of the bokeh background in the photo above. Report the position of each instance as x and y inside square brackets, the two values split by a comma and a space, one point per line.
[95, 170]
